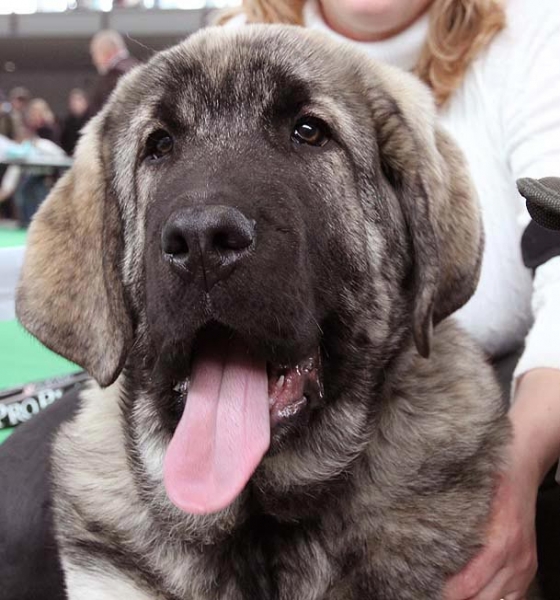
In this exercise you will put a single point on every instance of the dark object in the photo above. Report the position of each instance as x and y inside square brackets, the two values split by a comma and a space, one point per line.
[29, 562]
[543, 200]
[18, 405]
[538, 245]
[48, 132]
[31, 193]
[541, 239]
[71, 132]
[548, 536]
[107, 82]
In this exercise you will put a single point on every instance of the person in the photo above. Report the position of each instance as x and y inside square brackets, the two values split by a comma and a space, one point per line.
[495, 75]
[6, 133]
[6, 123]
[19, 100]
[40, 120]
[31, 185]
[111, 58]
[77, 117]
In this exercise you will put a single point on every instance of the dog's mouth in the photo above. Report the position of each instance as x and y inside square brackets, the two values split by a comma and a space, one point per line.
[291, 389]
[234, 403]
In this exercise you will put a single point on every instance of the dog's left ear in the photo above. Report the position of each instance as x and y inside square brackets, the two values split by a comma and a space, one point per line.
[70, 294]
[429, 175]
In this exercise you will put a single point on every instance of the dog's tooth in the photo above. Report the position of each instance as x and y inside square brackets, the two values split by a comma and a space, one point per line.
[291, 409]
[280, 381]
[182, 387]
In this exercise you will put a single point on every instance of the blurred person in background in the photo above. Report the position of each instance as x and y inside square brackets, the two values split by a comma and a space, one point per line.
[30, 185]
[19, 100]
[6, 122]
[40, 120]
[12, 127]
[77, 117]
[111, 58]
[6, 132]
[494, 70]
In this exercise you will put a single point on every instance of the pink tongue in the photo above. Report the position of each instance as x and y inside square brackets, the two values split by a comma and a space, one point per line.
[224, 431]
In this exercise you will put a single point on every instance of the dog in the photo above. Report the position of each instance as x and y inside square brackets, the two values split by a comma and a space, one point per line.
[255, 255]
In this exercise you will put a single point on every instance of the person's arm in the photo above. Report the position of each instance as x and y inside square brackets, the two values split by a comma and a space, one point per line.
[536, 419]
[9, 182]
[507, 563]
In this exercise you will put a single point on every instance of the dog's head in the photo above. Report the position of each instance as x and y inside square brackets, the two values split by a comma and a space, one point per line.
[258, 222]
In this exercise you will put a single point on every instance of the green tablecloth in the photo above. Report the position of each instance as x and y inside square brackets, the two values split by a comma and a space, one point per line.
[12, 237]
[24, 359]
[4, 433]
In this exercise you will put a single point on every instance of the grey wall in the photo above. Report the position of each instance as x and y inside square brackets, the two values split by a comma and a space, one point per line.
[49, 53]
[50, 68]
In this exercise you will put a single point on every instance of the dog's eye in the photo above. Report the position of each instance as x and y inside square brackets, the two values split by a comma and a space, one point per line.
[158, 145]
[312, 131]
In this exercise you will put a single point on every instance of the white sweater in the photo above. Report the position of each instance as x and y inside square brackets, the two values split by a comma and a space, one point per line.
[506, 119]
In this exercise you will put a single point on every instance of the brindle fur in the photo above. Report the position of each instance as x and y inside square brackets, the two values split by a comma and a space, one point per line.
[364, 247]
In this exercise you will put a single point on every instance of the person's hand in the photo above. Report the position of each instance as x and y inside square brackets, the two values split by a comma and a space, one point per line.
[507, 564]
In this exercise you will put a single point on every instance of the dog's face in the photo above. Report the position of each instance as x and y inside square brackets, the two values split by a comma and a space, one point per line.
[256, 225]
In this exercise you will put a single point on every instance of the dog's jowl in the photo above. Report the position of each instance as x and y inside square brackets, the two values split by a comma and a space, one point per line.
[255, 255]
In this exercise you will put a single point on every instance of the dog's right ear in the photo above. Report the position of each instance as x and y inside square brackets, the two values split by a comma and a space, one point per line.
[70, 294]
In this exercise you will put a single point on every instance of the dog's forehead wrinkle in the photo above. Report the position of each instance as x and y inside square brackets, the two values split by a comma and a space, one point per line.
[246, 72]
[215, 84]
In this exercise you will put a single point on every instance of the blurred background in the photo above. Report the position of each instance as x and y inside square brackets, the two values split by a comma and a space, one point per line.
[44, 44]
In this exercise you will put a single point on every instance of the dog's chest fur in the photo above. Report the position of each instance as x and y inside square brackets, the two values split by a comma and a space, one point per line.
[386, 519]
[272, 560]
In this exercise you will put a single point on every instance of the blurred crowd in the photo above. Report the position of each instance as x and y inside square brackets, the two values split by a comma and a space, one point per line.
[29, 130]
[23, 118]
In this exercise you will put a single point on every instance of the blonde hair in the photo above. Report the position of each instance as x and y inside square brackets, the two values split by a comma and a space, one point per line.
[459, 30]
[39, 110]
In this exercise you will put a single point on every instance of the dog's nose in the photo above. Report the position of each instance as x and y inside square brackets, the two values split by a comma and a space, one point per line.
[207, 238]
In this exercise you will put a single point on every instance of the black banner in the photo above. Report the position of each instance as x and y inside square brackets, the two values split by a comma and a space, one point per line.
[20, 404]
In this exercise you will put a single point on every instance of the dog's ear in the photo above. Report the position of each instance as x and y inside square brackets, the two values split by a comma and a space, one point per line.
[438, 200]
[70, 294]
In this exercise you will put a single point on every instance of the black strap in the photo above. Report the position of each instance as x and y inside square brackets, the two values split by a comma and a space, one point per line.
[541, 240]
[538, 245]
[543, 200]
